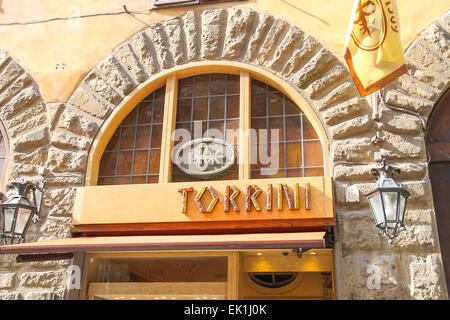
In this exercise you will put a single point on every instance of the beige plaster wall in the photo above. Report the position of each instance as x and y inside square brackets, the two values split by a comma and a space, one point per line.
[59, 53]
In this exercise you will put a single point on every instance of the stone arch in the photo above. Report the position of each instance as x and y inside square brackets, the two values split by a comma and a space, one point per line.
[24, 115]
[236, 34]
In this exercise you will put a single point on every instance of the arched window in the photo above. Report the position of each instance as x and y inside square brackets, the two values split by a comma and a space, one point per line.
[4, 147]
[133, 153]
[282, 140]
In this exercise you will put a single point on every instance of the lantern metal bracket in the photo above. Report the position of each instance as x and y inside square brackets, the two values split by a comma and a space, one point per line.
[28, 197]
[384, 171]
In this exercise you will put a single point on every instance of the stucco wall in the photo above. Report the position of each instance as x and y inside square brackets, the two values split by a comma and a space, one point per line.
[59, 53]
[57, 136]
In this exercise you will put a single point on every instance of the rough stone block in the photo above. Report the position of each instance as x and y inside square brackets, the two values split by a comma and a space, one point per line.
[45, 295]
[57, 227]
[78, 123]
[399, 99]
[68, 140]
[273, 38]
[102, 88]
[27, 124]
[341, 93]
[87, 102]
[265, 21]
[359, 231]
[351, 127]
[212, 33]
[286, 48]
[66, 161]
[130, 63]
[18, 85]
[438, 39]
[175, 36]
[192, 35]
[116, 76]
[409, 85]
[314, 68]
[333, 77]
[30, 112]
[240, 23]
[308, 48]
[144, 51]
[31, 140]
[353, 149]
[7, 280]
[373, 276]
[36, 157]
[160, 43]
[344, 111]
[46, 279]
[20, 102]
[426, 282]
[54, 111]
[9, 74]
[401, 146]
[397, 122]
[416, 236]
[426, 67]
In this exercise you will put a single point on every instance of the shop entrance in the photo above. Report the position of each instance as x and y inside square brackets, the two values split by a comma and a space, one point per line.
[201, 275]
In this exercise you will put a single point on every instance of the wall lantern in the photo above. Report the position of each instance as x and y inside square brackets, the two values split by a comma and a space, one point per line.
[387, 200]
[19, 211]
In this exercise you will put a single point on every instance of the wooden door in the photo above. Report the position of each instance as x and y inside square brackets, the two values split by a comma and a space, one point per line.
[438, 146]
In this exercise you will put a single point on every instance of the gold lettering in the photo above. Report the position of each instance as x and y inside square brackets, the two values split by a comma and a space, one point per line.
[184, 195]
[251, 197]
[288, 197]
[280, 197]
[230, 198]
[213, 202]
[269, 198]
[307, 196]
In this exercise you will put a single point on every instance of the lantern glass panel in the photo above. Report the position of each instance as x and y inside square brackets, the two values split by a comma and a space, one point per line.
[377, 208]
[9, 218]
[22, 218]
[390, 207]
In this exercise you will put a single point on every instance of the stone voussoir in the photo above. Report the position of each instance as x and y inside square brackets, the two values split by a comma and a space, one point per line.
[116, 75]
[175, 34]
[125, 55]
[240, 23]
[212, 33]
[161, 46]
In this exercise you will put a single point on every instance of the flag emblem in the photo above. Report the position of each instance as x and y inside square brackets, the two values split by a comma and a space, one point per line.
[370, 31]
[373, 50]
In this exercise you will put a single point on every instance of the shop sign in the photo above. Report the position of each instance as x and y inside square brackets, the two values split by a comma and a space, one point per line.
[307, 198]
[252, 193]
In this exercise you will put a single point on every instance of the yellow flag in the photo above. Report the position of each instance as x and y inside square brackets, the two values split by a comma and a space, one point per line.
[373, 50]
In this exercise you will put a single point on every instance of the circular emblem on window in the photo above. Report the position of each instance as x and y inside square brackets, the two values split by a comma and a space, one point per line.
[370, 27]
[204, 158]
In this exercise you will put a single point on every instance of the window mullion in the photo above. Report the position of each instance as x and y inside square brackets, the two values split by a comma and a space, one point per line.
[170, 113]
[244, 126]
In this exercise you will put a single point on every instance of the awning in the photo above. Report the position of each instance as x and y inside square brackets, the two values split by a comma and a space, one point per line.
[173, 242]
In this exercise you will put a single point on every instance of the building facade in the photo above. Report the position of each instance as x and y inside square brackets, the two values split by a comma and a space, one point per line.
[95, 99]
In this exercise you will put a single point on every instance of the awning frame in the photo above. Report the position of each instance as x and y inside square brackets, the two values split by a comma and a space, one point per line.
[172, 242]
